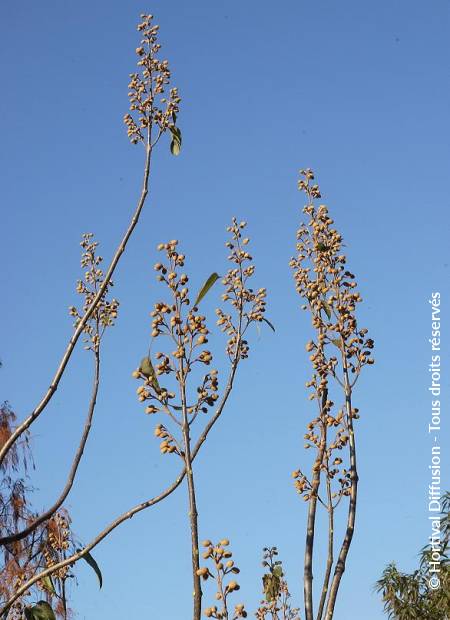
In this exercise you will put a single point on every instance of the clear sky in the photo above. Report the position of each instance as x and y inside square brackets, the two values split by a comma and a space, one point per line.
[359, 91]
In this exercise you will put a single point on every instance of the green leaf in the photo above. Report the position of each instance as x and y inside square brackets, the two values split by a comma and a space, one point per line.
[336, 342]
[175, 145]
[327, 309]
[268, 323]
[48, 584]
[277, 571]
[175, 148]
[322, 247]
[205, 288]
[146, 368]
[41, 611]
[93, 564]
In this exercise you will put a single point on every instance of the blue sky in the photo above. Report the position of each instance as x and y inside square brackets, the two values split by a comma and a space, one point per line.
[359, 92]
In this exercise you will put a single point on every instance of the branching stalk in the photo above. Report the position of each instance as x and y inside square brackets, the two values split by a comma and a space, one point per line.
[329, 290]
[133, 511]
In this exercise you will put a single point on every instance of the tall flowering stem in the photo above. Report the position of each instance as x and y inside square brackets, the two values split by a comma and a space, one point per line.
[192, 392]
[338, 353]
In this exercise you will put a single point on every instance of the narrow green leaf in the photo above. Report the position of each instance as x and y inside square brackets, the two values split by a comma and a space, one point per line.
[41, 611]
[175, 148]
[327, 309]
[146, 368]
[278, 571]
[205, 288]
[175, 145]
[93, 564]
[48, 584]
[268, 323]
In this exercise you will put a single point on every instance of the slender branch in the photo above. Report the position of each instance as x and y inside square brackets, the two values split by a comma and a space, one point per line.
[79, 330]
[73, 470]
[219, 409]
[63, 598]
[193, 513]
[130, 513]
[311, 521]
[222, 592]
[330, 558]
[351, 516]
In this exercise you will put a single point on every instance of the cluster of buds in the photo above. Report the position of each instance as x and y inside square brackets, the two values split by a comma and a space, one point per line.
[301, 483]
[17, 575]
[223, 566]
[58, 541]
[249, 306]
[329, 288]
[277, 596]
[340, 348]
[147, 86]
[168, 443]
[186, 328]
[331, 468]
[106, 310]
